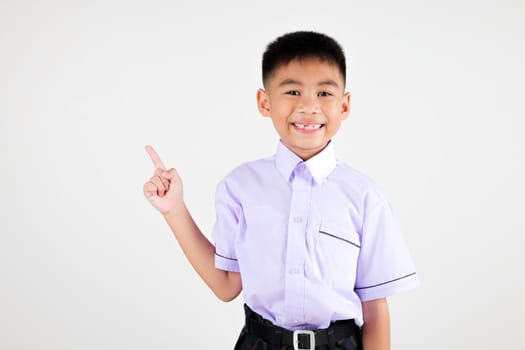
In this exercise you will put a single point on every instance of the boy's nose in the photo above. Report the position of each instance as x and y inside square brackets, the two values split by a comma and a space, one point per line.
[309, 105]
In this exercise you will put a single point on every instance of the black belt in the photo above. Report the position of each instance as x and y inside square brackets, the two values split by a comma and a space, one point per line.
[300, 339]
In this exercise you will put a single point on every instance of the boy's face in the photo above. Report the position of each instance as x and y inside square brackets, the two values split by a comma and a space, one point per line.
[307, 103]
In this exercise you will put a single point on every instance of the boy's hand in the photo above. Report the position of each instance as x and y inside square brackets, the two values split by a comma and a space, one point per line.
[164, 189]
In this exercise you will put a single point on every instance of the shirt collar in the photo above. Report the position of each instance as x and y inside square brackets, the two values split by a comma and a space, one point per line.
[320, 165]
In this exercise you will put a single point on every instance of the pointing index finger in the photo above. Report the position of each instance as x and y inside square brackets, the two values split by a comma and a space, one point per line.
[155, 158]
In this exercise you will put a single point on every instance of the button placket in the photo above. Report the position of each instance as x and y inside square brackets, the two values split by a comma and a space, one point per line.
[296, 243]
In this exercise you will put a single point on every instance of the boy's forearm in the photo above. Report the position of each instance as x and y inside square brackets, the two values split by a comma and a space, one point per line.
[201, 255]
[376, 328]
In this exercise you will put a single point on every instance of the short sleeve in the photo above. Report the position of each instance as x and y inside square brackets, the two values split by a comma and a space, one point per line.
[384, 266]
[225, 231]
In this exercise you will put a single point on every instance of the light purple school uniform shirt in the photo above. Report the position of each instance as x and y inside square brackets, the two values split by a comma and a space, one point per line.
[312, 239]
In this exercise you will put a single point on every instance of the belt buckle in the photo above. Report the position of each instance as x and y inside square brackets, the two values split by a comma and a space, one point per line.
[303, 340]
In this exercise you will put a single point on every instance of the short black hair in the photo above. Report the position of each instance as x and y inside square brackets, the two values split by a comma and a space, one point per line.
[302, 45]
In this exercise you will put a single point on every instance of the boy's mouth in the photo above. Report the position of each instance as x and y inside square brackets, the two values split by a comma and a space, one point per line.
[308, 126]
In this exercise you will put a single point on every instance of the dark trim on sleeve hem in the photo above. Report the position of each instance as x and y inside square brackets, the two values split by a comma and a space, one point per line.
[380, 284]
[225, 257]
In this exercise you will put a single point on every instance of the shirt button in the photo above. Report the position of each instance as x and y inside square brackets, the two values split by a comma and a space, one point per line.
[297, 219]
[293, 271]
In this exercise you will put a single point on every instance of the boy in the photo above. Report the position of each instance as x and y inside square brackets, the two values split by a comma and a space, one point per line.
[311, 242]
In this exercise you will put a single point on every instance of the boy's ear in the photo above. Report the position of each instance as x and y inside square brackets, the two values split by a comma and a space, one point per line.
[263, 103]
[345, 107]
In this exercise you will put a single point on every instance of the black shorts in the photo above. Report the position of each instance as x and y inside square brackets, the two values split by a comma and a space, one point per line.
[252, 340]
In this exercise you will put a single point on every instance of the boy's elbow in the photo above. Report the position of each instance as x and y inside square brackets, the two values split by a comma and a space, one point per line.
[231, 289]
[228, 295]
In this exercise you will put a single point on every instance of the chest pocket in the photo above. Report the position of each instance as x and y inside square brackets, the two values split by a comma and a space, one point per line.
[338, 248]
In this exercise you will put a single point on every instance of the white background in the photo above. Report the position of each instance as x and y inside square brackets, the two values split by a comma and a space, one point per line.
[437, 120]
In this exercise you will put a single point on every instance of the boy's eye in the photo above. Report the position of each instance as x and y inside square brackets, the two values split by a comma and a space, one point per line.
[293, 93]
[324, 94]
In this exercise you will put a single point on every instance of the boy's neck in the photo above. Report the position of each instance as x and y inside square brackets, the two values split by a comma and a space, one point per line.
[306, 155]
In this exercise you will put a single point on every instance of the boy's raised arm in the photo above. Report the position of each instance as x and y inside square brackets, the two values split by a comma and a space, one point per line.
[164, 192]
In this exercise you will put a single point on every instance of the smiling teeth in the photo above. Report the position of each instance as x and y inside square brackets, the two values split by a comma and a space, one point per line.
[308, 126]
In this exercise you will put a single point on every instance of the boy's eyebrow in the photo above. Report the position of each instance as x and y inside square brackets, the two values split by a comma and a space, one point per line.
[296, 82]
[290, 82]
[329, 82]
